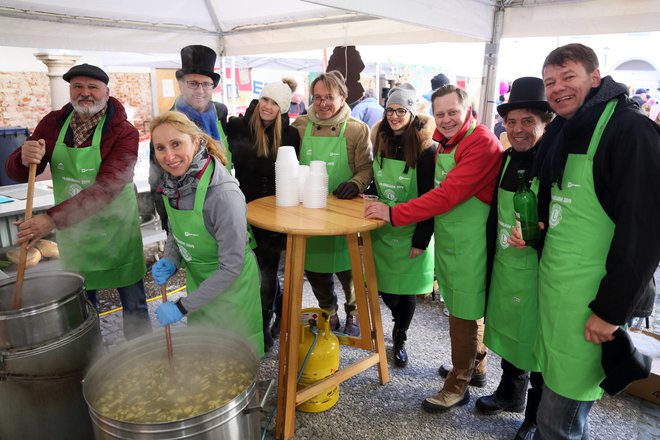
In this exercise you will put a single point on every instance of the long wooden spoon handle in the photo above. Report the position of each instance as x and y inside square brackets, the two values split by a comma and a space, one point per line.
[17, 300]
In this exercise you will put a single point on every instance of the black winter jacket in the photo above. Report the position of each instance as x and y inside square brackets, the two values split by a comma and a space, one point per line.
[627, 182]
[256, 175]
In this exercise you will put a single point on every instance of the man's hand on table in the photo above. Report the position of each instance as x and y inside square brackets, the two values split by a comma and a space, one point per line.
[377, 210]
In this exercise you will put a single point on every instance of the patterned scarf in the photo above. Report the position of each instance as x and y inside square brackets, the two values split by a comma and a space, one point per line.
[171, 185]
[207, 120]
[82, 130]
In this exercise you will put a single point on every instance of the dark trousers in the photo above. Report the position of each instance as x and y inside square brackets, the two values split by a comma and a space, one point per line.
[402, 307]
[513, 385]
[135, 313]
[323, 286]
[268, 253]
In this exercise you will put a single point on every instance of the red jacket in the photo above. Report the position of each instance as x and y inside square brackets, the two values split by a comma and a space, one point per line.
[119, 149]
[478, 160]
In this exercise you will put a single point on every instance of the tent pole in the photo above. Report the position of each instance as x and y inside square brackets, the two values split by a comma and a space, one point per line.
[234, 86]
[489, 78]
[224, 80]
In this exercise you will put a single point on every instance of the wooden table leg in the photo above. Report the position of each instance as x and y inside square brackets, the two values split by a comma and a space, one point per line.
[290, 336]
[365, 340]
[374, 305]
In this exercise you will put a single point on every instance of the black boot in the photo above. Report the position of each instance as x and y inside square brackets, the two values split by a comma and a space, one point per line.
[510, 393]
[400, 356]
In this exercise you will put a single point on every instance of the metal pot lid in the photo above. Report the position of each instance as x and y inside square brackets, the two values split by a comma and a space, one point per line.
[40, 289]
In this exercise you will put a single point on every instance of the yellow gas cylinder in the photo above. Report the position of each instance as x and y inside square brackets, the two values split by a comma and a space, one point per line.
[322, 361]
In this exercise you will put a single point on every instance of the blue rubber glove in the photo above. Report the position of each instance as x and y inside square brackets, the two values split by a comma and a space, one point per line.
[168, 313]
[162, 270]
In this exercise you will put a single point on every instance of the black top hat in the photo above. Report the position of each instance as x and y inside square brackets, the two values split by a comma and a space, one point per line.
[526, 92]
[200, 60]
[86, 70]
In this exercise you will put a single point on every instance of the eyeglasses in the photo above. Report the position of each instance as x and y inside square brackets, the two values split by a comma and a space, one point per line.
[194, 84]
[320, 99]
[400, 112]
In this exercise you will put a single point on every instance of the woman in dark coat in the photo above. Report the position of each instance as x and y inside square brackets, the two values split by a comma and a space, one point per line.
[254, 139]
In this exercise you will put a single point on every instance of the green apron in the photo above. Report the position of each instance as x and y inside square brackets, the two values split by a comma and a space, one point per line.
[460, 248]
[512, 312]
[105, 248]
[396, 272]
[571, 269]
[327, 254]
[239, 307]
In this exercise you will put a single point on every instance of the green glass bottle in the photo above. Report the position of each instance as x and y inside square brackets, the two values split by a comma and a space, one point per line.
[524, 205]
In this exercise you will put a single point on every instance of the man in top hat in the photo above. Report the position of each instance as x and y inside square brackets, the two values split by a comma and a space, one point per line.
[92, 150]
[599, 196]
[197, 80]
[511, 312]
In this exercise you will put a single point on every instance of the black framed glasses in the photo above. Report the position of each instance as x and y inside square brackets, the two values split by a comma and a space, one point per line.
[194, 84]
[400, 112]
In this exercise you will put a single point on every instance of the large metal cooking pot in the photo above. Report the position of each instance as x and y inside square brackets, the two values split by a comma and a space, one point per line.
[54, 303]
[238, 419]
[40, 386]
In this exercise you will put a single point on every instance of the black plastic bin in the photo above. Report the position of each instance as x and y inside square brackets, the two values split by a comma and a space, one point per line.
[10, 139]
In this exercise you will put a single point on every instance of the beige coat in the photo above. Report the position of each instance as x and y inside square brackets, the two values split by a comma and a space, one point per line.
[360, 156]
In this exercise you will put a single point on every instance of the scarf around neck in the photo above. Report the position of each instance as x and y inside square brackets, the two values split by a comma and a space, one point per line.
[206, 120]
[171, 184]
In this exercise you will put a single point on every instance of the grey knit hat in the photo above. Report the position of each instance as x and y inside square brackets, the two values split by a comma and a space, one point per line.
[404, 95]
[279, 92]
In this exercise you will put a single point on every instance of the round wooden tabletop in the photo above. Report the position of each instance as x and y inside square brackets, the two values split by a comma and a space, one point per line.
[339, 217]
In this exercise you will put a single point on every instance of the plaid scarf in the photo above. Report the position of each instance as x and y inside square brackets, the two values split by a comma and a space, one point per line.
[82, 130]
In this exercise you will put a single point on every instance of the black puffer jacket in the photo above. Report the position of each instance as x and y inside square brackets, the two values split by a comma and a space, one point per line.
[256, 175]
[626, 172]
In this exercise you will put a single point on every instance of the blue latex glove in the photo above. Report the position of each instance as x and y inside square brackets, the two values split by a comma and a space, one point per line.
[162, 270]
[168, 313]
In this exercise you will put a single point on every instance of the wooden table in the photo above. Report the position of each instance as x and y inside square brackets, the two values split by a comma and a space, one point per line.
[340, 217]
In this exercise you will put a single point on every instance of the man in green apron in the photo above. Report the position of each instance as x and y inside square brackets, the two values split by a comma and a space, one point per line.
[197, 80]
[511, 312]
[467, 164]
[329, 133]
[599, 168]
[92, 149]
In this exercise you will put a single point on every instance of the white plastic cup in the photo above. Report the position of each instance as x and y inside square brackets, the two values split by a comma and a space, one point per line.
[286, 154]
[318, 166]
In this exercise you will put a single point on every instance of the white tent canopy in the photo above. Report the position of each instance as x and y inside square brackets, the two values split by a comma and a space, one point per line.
[266, 26]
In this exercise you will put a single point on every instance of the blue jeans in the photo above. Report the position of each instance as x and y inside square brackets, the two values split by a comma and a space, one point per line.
[135, 315]
[561, 418]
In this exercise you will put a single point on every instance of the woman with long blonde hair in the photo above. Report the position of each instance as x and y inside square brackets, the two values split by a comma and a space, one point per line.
[253, 141]
[207, 233]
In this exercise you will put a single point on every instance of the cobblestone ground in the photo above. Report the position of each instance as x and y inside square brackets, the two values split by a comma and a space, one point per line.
[368, 410]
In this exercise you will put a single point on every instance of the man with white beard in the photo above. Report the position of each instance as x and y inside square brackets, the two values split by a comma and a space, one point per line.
[92, 149]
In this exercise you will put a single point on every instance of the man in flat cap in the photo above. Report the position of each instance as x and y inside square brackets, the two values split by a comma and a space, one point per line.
[92, 150]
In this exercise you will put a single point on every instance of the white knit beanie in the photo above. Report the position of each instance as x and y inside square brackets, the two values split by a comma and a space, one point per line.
[405, 96]
[278, 92]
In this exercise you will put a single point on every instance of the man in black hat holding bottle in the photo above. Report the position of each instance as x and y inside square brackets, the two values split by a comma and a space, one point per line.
[511, 313]
[197, 80]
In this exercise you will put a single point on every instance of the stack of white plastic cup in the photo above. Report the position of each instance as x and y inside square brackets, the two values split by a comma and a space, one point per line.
[286, 177]
[303, 172]
[316, 186]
